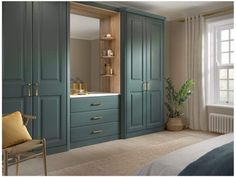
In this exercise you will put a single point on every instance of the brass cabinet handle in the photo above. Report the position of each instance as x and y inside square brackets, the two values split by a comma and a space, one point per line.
[95, 104]
[36, 85]
[144, 86]
[148, 86]
[96, 118]
[29, 92]
[97, 131]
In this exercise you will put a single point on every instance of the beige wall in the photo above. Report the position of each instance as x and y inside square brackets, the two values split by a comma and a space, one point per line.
[177, 59]
[176, 67]
[84, 62]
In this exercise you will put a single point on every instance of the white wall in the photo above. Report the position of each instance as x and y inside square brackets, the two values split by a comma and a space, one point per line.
[176, 67]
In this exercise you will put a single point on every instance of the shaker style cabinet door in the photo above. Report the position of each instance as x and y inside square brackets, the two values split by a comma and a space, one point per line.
[135, 60]
[142, 39]
[34, 66]
[16, 60]
[154, 61]
[49, 71]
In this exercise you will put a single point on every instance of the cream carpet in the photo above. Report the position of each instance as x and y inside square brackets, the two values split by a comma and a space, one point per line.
[114, 158]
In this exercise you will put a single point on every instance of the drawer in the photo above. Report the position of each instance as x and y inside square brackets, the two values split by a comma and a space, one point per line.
[94, 117]
[94, 131]
[94, 103]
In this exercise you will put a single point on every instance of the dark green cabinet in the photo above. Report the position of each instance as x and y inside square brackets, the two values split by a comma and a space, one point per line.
[142, 51]
[35, 64]
[94, 119]
[16, 61]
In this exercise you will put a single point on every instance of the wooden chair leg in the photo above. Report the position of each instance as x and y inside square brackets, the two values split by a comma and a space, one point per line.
[17, 165]
[5, 163]
[44, 157]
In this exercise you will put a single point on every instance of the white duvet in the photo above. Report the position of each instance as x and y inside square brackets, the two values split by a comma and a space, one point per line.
[173, 163]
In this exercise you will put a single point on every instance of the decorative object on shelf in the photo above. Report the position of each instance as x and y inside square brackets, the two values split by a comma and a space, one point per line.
[104, 53]
[111, 71]
[107, 68]
[110, 53]
[79, 87]
[175, 103]
[108, 35]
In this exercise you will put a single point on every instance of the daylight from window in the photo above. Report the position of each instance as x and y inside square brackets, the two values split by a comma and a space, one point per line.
[220, 62]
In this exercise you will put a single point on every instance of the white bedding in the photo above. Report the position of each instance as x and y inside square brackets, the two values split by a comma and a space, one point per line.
[173, 163]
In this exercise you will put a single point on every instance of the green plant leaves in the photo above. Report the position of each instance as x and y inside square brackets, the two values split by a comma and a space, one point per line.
[176, 99]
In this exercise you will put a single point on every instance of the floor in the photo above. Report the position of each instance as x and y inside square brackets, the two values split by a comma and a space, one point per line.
[117, 158]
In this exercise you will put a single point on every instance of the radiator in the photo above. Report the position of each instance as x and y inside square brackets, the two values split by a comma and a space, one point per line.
[221, 123]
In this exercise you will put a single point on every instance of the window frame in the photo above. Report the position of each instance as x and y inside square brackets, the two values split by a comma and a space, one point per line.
[213, 63]
[218, 61]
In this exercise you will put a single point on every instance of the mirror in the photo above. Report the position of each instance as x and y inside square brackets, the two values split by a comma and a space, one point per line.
[84, 51]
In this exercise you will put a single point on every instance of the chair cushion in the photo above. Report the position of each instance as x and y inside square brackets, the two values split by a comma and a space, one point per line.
[14, 130]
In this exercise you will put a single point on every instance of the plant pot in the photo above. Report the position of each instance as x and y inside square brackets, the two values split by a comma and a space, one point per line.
[175, 124]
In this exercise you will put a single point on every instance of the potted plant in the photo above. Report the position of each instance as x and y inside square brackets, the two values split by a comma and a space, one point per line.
[175, 103]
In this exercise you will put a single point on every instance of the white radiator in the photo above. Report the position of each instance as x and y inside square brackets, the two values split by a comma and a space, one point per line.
[221, 123]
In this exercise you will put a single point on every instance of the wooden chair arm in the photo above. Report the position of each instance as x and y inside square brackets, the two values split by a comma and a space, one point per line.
[28, 118]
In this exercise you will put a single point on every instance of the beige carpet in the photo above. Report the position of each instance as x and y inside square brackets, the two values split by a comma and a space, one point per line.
[117, 158]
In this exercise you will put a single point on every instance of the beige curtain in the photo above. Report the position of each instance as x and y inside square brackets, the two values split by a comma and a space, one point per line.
[196, 109]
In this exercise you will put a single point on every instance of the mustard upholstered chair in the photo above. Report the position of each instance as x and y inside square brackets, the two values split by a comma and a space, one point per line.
[16, 153]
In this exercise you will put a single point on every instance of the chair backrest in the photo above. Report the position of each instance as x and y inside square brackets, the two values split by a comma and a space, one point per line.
[26, 118]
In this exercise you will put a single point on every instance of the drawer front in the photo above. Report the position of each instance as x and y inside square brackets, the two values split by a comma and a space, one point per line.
[94, 117]
[94, 103]
[94, 131]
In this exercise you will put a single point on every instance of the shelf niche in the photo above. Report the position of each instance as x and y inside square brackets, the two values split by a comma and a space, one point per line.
[109, 24]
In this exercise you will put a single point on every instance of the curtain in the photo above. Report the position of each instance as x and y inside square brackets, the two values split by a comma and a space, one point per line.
[196, 109]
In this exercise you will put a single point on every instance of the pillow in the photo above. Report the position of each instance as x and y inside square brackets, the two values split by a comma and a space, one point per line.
[13, 130]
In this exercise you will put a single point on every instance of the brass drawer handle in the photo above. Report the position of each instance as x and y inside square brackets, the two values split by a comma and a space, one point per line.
[96, 118]
[95, 104]
[97, 131]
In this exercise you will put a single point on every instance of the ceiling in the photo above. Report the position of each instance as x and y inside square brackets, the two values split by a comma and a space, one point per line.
[82, 27]
[173, 10]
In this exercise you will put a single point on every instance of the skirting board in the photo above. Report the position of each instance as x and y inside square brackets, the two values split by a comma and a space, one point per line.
[143, 132]
[93, 141]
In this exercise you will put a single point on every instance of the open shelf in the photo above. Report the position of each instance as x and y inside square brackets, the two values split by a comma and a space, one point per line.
[107, 75]
[107, 38]
[108, 56]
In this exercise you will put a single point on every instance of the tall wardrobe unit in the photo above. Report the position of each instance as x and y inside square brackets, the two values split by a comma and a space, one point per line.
[35, 62]
[35, 67]
[142, 53]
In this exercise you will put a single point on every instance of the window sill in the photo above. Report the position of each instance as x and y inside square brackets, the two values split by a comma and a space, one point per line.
[220, 106]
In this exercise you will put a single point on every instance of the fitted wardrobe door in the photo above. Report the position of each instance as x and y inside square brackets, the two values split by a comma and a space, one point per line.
[16, 60]
[49, 71]
[154, 33]
[135, 57]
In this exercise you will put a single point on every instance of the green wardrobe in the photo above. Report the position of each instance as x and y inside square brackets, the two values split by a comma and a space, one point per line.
[35, 66]
[142, 53]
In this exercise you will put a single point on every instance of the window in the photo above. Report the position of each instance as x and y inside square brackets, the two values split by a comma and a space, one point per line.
[220, 62]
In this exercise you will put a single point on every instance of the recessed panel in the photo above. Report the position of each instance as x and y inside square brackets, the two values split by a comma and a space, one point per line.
[136, 49]
[154, 109]
[155, 51]
[13, 40]
[51, 118]
[50, 41]
[136, 109]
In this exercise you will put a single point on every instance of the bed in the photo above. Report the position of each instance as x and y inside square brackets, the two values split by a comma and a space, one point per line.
[182, 161]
